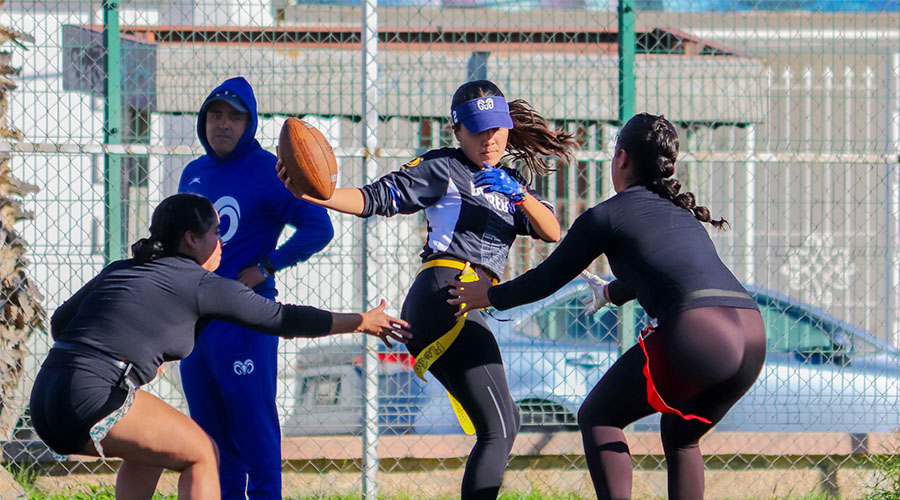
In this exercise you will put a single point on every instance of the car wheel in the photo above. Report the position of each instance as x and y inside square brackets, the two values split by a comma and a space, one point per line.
[539, 415]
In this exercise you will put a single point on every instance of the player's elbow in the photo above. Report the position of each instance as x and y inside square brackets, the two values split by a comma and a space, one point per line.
[56, 327]
[326, 234]
[318, 233]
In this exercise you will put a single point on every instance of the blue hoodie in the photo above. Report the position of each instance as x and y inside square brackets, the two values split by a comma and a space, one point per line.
[253, 204]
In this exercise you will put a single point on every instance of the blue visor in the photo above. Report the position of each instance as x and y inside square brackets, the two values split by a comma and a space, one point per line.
[482, 114]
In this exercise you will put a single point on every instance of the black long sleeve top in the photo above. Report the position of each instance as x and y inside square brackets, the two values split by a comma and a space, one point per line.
[146, 314]
[659, 253]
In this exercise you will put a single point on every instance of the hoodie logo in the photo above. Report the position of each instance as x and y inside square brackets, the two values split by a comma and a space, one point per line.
[228, 208]
[195, 180]
[243, 368]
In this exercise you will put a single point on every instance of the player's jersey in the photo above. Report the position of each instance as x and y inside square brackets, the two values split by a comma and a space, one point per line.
[463, 221]
[150, 313]
[659, 253]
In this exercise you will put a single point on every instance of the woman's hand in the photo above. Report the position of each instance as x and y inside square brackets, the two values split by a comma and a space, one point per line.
[283, 177]
[250, 276]
[346, 200]
[598, 297]
[470, 295]
[383, 326]
[542, 219]
[496, 180]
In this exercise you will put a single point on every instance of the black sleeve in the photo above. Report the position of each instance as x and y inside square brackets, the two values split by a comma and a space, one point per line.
[408, 190]
[619, 292]
[582, 244]
[66, 311]
[229, 300]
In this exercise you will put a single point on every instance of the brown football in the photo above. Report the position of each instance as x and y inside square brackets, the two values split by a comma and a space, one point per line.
[308, 159]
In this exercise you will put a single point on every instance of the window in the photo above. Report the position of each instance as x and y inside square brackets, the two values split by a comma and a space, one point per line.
[787, 330]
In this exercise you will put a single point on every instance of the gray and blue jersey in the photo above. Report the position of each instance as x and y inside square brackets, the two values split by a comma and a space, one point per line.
[463, 221]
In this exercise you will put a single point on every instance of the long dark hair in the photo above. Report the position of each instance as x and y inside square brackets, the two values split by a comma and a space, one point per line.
[530, 139]
[173, 217]
[651, 142]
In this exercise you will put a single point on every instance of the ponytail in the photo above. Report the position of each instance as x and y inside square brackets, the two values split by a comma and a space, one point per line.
[530, 139]
[669, 189]
[147, 249]
[652, 144]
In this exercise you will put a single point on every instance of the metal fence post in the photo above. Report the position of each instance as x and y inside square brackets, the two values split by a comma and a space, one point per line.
[892, 186]
[627, 43]
[627, 50]
[750, 206]
[370, 138]
[112, 132]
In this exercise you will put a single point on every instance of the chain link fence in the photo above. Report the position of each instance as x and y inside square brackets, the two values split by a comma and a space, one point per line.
[789, 118]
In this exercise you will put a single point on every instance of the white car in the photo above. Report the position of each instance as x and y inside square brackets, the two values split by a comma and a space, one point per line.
[821, 374]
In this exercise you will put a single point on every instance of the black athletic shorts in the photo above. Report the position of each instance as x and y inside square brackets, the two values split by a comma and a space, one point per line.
[72, 392]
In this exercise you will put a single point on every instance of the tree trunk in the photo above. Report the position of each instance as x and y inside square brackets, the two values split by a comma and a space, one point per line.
[21, 312]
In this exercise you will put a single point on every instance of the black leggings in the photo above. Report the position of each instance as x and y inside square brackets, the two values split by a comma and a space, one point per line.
[702, 362]
[472, 370]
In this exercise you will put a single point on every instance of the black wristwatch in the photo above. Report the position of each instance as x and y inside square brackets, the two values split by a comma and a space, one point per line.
[266, 268]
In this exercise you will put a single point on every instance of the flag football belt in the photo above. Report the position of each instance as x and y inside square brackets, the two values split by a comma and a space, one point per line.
[436, 349]
[653, 396]
[80, 348]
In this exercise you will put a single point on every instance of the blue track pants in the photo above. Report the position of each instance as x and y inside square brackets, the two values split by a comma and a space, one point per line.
[230, 384]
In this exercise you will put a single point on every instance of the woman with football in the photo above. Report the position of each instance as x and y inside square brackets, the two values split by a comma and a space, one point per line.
[476, 203]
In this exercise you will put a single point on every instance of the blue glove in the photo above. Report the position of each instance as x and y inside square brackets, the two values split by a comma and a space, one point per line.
[495, 180]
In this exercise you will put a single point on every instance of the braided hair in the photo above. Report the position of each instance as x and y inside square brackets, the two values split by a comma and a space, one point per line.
[173, 217]
[530, 139]
[651, 142]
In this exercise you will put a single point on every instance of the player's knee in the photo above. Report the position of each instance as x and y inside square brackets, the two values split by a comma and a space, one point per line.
[584, 423]
[589, 417]
[676, 441]
[204, 453]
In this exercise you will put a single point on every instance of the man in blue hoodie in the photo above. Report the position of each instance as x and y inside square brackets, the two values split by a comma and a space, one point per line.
[230, 378]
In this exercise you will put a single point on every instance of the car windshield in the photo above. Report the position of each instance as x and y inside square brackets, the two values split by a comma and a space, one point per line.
[795, 329]
[787, 330]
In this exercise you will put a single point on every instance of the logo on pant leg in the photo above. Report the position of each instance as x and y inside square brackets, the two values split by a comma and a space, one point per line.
[243, 367]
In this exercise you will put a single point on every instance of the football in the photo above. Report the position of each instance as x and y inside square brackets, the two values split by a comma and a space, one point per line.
[308, 159]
